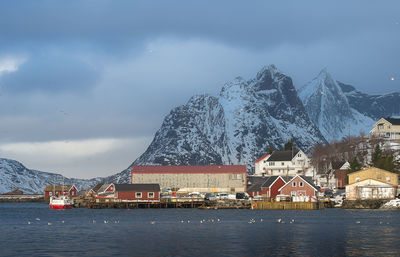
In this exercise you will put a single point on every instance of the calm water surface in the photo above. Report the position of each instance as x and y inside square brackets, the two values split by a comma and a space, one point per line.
[179, 232]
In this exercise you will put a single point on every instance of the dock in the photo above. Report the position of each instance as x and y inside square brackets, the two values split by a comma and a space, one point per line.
[260, 205]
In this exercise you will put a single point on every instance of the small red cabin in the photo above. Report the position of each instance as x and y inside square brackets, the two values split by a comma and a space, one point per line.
[267, 187]
[138, 192]
[56, 190]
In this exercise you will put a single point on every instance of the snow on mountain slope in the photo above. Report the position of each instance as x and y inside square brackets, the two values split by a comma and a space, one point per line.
[329, 108]
[236, 127]
[14, 175]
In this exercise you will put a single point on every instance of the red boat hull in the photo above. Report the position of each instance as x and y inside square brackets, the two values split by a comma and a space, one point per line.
[60, 207]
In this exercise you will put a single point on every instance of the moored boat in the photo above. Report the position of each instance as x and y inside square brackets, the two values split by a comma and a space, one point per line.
[60, 202]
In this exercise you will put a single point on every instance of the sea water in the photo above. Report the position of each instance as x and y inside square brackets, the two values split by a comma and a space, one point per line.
[32, 229]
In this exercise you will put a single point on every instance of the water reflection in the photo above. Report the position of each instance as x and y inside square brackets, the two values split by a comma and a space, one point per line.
[314, 233]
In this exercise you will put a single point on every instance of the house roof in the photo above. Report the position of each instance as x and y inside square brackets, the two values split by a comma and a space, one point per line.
[270, 181]
[137, 187]
[65, 188]
[308, 180]
[371, 169]
[97, 187]
[103, 188]
[393, 121]
[190, 169]
[256, 183]
[283, 155]
[262, 157]
[337, 165]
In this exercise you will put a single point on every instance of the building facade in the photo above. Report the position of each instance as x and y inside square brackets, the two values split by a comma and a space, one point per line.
[372, 183]
[387, 128]
[370, 189]
[300, 189]
[206, 178]
[376, 174]
[138, 192]
[56, 190]
[282, 163]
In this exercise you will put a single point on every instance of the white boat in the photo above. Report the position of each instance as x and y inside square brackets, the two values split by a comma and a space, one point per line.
[61, 202]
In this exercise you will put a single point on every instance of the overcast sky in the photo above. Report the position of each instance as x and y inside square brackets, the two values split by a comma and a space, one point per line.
[84, 85]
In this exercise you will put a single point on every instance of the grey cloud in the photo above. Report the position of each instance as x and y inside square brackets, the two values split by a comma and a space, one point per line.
[248, 24]
[51, 73]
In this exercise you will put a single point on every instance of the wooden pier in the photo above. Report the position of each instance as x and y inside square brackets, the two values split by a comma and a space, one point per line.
[287, 205]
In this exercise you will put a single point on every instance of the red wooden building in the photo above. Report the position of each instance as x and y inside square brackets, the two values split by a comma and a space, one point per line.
[131, 192]
[267, 187]
[138, 192]
[51, 190]
[300, 186]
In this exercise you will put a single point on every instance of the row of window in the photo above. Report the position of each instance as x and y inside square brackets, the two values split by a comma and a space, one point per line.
[51, 193]
[140, 195]
[294, 184]
[379, 178]
[235, 176]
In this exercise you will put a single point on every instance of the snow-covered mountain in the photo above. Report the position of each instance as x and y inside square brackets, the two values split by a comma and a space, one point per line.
[235, 127]
[14, 175]
[336, 107]
[330, 109]
[239, 125]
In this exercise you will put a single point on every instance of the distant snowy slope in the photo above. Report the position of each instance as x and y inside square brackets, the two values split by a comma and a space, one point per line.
[329, 108]
[374, 106]
[14, 175]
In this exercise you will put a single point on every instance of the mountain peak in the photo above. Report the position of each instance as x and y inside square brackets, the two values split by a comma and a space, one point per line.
[270, 70]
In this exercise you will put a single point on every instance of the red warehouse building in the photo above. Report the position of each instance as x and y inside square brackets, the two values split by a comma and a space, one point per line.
[56, 190]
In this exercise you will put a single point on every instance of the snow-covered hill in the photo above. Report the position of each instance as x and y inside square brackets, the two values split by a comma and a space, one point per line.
[14, 175]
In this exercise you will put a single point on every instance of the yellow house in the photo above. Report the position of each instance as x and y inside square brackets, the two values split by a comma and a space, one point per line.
[372, 183]
[376, 174]
[388, 128]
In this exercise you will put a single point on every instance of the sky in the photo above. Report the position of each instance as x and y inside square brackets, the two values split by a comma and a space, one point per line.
[84, 85]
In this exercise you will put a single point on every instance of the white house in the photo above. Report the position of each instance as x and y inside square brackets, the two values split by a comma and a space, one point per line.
[282, 163]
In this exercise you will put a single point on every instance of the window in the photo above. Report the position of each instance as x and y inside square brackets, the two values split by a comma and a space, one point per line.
[235, 176]
[293, 193]
[138, 195]
[379, 178]
[50, 193]
[271, 163]
[282, 163]
[357, 179]
[294, 183]
[301, 184]
[150, 194]
[299, 155]
[387, 179]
